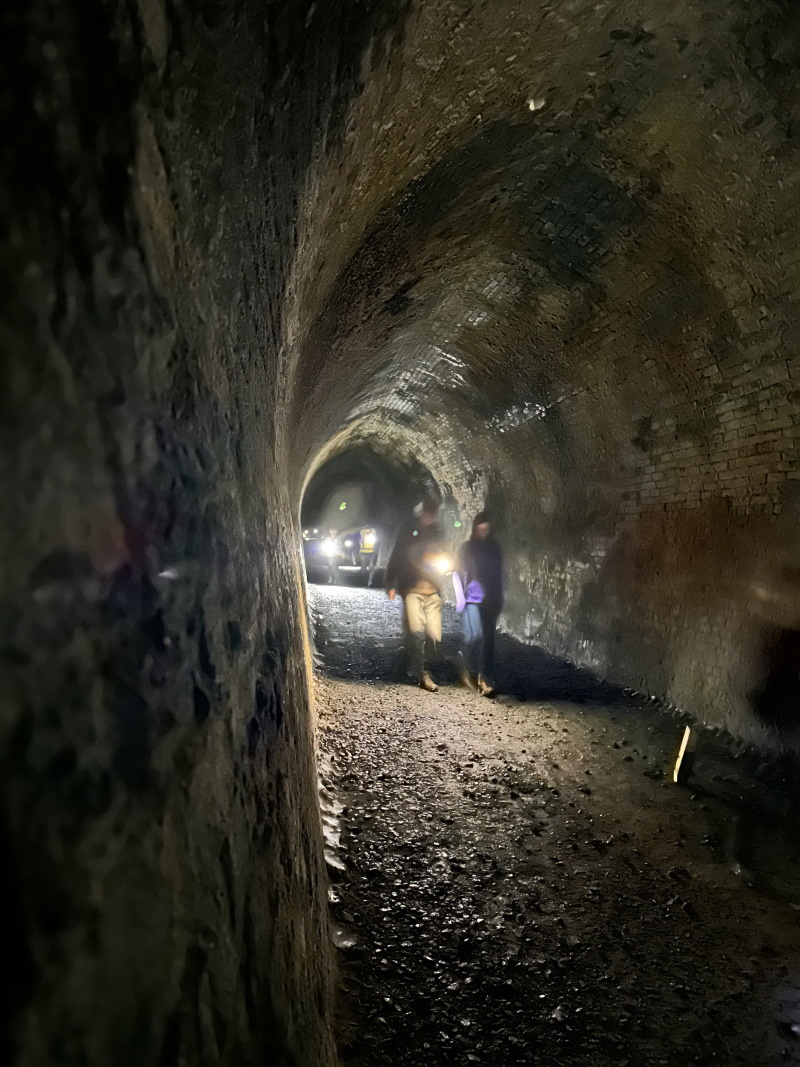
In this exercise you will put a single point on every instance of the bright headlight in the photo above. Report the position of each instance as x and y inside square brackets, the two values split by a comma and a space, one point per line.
[348, 544]
[328, 548]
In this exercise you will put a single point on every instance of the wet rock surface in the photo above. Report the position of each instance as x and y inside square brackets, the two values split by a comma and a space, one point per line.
[517, 882]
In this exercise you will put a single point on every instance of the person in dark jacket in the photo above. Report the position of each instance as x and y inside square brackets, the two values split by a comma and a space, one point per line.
[415, 570]
[478, 582]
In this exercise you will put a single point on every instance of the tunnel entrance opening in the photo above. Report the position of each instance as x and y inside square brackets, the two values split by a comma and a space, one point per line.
[352, 506]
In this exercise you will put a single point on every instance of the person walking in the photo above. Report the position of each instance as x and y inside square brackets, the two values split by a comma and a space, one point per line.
[331, 553]
[415, 570]
[478, 583]
[368, 551]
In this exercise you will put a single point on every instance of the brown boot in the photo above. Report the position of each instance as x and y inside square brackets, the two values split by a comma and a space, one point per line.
[427, 683]
[485, 689]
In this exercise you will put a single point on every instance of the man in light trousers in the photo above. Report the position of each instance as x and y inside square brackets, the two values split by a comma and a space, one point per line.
[415, 571]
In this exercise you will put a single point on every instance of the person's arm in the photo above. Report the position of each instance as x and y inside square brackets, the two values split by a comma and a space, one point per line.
[459, 591]
[393, 566]
[500, 581]
[462, 564]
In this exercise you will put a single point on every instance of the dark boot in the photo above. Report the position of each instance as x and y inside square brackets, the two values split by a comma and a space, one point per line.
[415, 649]
[467, 678]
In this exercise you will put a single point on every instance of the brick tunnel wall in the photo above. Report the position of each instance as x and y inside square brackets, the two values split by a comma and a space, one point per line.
[160, 824]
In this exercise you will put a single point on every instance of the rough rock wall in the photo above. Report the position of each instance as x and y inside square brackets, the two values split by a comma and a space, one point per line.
[160, 826]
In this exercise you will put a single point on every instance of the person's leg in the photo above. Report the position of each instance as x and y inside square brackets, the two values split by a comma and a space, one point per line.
[414, 624]
[433, 617]
[432, 612]
[489, 625]
[470, 643]
[471, 622]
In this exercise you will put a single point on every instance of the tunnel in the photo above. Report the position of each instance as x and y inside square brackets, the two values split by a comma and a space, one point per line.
[363, 486]
[532, 258]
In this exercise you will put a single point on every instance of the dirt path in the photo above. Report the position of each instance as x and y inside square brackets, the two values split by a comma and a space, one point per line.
[518, 884]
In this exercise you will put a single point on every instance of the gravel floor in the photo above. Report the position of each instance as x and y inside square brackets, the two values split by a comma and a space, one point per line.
[517, 883]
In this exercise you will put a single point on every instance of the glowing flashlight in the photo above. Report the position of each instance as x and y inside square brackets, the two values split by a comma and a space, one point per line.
[328, 548]
[348, 544]
[442, 564]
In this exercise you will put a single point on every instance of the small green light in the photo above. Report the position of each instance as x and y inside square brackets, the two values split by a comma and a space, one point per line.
[415, 533]
[343, 505]
[457, 524]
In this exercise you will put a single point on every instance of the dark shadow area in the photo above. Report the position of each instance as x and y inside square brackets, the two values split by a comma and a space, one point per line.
[761, 796]
[528, 672]
[776, 699]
